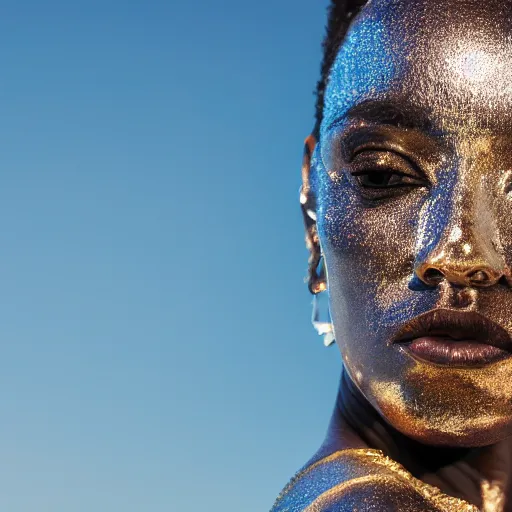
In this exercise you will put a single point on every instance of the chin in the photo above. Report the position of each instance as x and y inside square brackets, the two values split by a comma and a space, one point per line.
[449, 410]
[473, 433]
[435, 405]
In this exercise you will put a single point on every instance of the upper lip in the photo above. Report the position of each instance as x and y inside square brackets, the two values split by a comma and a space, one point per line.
[458, 325]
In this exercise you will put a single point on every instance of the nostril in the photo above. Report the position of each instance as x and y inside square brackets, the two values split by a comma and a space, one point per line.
[507, 187]
[479, 277]
[433, 276]
[482, 278]
[504, 281]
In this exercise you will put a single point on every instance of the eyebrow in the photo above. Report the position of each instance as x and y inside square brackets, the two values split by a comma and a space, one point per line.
[390, 113]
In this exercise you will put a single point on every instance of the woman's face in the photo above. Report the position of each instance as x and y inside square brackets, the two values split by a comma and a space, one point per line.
[413, 180]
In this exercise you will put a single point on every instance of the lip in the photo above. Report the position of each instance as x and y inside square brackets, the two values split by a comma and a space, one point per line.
[454, 338]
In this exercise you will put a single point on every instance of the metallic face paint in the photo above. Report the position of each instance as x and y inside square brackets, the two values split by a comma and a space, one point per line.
[422, 89]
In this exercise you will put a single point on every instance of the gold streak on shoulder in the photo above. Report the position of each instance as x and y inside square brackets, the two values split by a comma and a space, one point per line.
[377, 478]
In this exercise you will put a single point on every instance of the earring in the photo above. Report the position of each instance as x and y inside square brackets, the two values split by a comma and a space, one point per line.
[317, 278]
[318, 286]
[324, 326]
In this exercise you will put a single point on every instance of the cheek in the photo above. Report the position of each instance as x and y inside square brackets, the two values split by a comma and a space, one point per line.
[368, 249]
[369, 253]
[503, 243]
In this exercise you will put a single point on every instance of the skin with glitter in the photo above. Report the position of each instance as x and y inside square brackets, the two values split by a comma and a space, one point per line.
[410, 184]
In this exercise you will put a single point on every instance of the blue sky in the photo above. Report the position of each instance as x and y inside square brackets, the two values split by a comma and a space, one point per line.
[157, 353]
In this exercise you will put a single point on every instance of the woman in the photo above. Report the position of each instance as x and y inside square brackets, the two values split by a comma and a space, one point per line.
[407, 198]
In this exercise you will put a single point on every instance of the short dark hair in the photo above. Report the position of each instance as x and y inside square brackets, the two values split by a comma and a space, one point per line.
[340, 13]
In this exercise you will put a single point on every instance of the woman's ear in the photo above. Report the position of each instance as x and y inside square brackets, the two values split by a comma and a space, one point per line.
[316, 276]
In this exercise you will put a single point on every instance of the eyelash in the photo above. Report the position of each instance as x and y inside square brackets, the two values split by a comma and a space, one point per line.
[382, 165]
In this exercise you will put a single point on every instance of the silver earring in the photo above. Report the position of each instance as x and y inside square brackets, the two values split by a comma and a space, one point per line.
[323, 326]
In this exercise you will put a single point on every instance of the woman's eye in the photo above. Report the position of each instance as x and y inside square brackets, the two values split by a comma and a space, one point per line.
[380, 174]
[375, 179]
[382, 179]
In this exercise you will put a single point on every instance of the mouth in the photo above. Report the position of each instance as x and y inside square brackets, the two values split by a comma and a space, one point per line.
[454, 338]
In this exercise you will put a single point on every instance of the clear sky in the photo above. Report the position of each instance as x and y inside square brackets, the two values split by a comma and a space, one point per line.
[156, 353]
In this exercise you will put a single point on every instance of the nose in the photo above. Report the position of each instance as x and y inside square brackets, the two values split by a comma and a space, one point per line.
[463, 249]
[462, 275]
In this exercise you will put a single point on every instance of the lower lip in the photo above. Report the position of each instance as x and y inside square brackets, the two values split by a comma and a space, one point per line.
[460, 353]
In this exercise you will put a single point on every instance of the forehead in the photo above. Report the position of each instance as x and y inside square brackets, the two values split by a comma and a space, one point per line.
[451, 59]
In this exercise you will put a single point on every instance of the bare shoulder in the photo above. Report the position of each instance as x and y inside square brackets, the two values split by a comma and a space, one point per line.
[362, 480]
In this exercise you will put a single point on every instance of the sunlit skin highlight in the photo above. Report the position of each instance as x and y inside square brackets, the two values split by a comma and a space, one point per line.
[411, 179]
